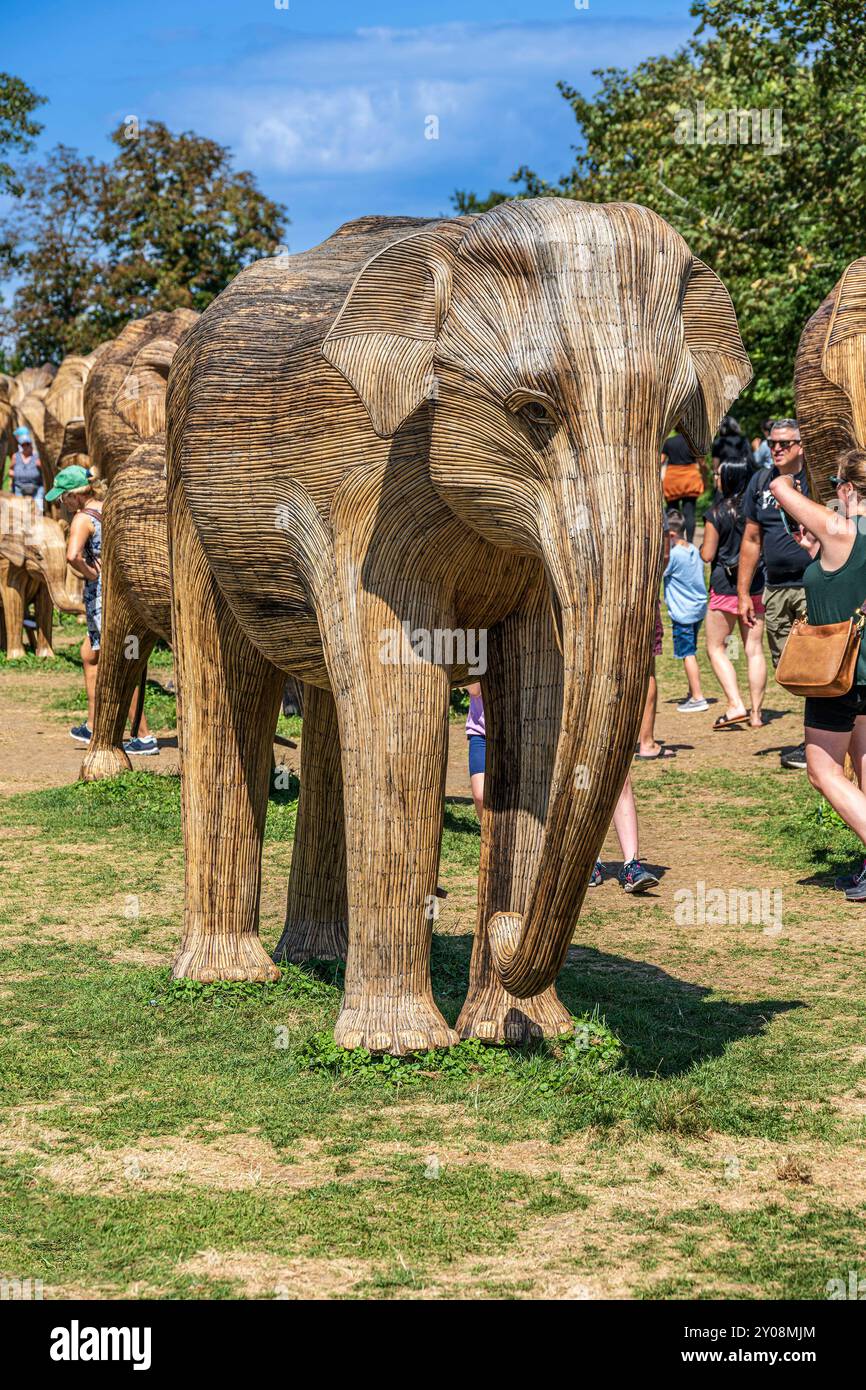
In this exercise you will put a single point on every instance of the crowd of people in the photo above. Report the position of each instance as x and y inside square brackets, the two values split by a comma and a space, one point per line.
[775, 556]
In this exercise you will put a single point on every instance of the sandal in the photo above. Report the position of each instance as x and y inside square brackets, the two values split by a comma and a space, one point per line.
[723, 722]
[654, 757]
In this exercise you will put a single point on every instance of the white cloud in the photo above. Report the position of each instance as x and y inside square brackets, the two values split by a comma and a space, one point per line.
[356, 103]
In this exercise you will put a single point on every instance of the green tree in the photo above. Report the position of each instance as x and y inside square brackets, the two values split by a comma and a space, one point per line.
[18, 130]
[55, 249]
[165, 224]
[778, 221]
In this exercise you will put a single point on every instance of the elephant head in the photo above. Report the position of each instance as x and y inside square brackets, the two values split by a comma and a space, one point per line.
[64, 439]
[124, 396]
[37, 544]
[830, 379]
[557, 343]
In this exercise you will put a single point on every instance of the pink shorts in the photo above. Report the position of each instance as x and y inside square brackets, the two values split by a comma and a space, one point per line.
[727, 603]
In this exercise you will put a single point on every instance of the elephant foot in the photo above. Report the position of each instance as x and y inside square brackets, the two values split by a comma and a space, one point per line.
[45, 653]
[15, 654]
[100, 763]
[307, 940]
[494, 1016]
[223, 957]
[410, 1024]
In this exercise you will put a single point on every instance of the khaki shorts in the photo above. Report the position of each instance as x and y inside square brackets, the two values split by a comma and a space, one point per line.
[782, 607]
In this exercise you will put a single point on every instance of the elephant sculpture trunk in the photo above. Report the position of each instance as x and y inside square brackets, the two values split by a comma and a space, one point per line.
[603, 568]
[64, 598]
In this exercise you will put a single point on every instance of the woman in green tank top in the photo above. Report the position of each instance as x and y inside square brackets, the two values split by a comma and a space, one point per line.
[835, 585]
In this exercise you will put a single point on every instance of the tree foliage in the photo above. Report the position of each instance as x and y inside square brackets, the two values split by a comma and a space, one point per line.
[164, 225]
[18, 130]
[778, 226]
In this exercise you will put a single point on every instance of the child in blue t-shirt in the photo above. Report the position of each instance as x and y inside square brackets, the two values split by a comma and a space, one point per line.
[686, 599]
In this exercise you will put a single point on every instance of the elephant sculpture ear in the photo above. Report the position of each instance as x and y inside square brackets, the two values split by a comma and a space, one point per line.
[384, 337]
[844, 357]
[721, 363]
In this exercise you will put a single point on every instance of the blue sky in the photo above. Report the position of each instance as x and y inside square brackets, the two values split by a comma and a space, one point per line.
[328, 103]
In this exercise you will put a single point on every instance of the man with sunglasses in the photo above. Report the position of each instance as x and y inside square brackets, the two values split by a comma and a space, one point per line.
[767, 535]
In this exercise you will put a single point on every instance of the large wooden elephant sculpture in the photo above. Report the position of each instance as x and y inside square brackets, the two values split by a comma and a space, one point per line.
[33, 570]
[122, 404]
[412, 438]
[830, 379]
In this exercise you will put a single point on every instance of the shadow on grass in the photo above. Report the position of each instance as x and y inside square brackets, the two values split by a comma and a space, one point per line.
[667, 1025]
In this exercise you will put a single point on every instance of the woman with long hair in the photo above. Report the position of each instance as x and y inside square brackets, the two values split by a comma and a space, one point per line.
[723, 534]
[81, 497]
[835, 585]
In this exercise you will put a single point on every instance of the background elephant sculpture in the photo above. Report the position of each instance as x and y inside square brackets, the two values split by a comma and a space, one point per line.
[22, 403]
[124, 395]
[413, 433]
[64, 438]
[33, 570]
[830, 379]
[124, 398]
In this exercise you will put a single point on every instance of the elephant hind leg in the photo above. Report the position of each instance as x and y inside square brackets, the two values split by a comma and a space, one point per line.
[229, 697]
[317, 909]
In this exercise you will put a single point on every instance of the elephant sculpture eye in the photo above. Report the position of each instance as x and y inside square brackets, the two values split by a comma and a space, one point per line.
[537, 414]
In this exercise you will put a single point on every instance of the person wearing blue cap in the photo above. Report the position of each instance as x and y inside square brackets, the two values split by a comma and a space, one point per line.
[25, 475]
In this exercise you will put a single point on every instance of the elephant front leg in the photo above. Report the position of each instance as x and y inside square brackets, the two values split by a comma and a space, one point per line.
[229, 697]
[316, 910]
[12, 598]
[522, 705]
[393, 715]
[125, 645]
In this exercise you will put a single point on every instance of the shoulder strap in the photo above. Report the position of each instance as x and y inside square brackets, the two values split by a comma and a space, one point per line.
[88, 511]
[763, 475]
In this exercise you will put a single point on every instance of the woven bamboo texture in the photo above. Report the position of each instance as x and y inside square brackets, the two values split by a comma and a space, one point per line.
[124, 397]
[124, 394]
[64, 436]
[830, 379]
[436, 428]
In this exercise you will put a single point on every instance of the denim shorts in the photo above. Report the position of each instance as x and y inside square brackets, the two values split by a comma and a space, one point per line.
[477, 753]
[685, 637]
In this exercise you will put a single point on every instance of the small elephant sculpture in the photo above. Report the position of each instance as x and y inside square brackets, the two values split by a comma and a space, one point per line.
[124, 404]
[830, 379]
[33, 570]
[413, 437]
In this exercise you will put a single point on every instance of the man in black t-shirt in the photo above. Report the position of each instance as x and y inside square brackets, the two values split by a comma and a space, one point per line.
[768, 536]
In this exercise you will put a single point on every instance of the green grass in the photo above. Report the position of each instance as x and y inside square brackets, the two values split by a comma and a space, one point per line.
[692, 1042]
[160, 705]
[137, 810]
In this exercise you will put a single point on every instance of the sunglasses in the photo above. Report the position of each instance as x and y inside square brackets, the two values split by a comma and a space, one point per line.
[783, 444]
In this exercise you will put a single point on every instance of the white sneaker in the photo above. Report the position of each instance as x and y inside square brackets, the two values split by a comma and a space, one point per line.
[691, 706]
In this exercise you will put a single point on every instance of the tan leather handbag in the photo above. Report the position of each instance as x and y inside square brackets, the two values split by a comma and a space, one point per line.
[820, 662]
